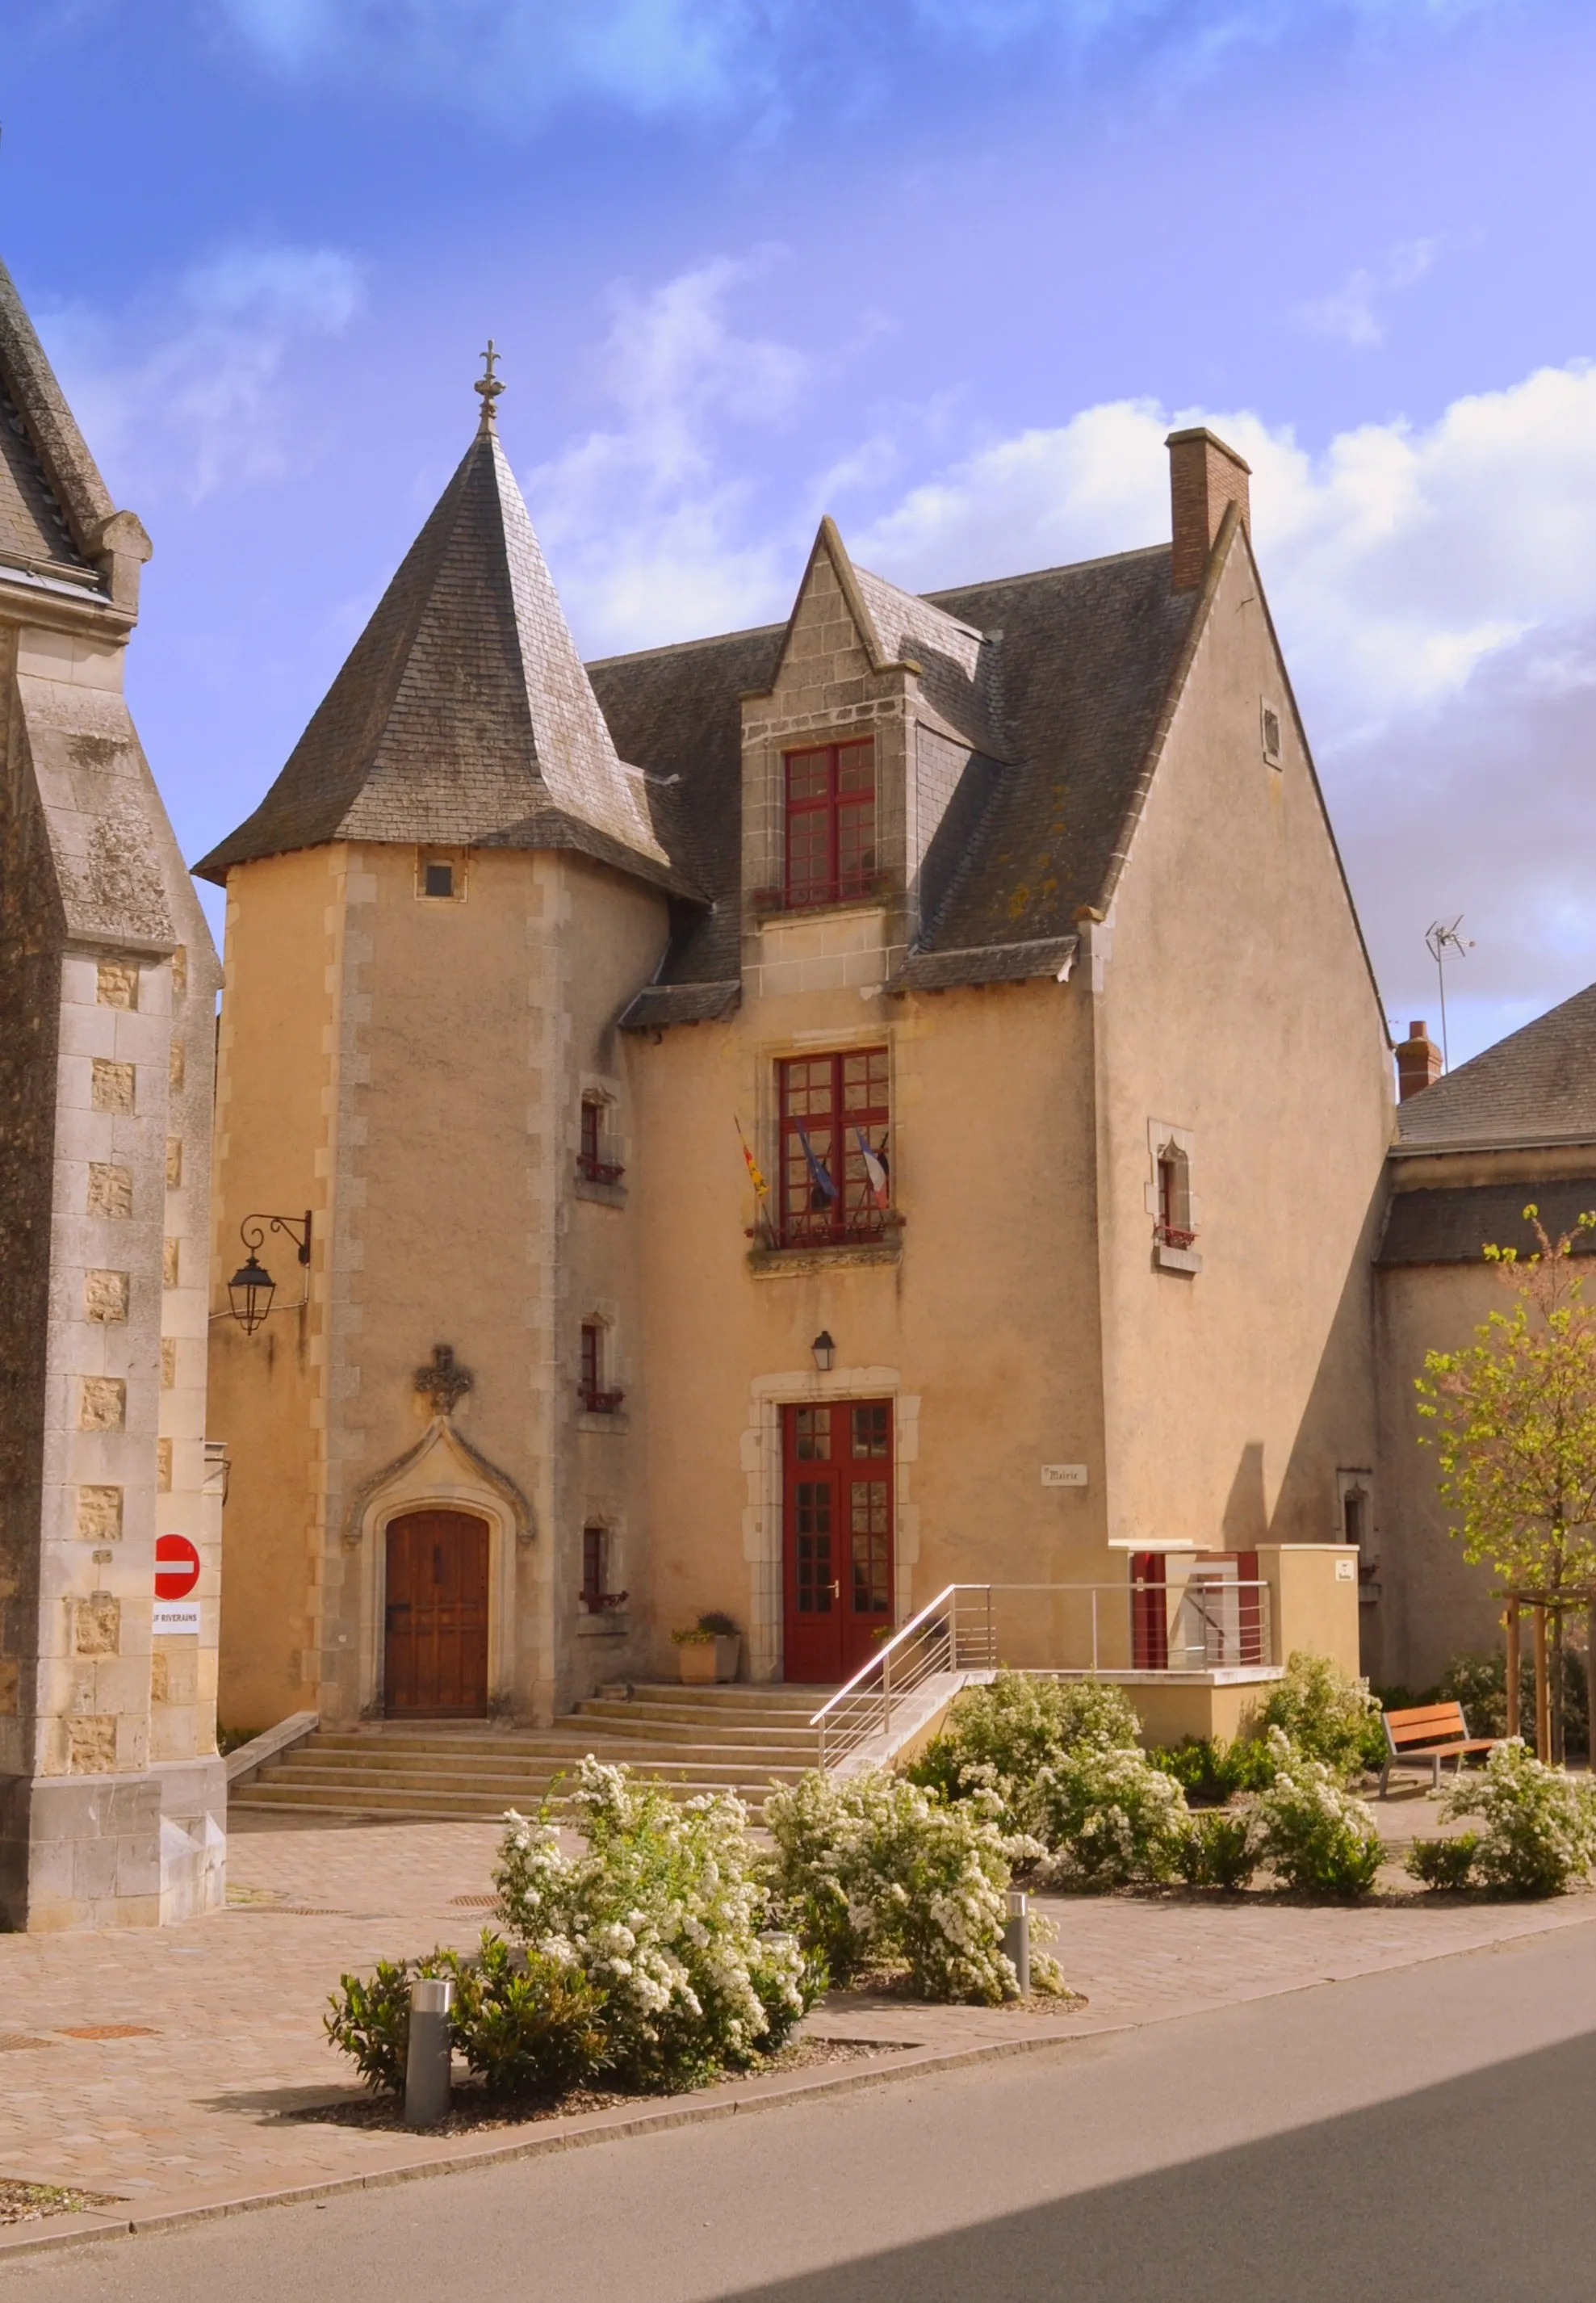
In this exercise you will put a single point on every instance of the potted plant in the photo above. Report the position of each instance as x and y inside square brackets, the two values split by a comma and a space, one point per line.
[708, 1650]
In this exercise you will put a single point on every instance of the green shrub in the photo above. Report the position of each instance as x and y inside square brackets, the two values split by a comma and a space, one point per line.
[1312, 1831]
[1000, 1737]
[369, 2018]
[874, 1870]
[525, 2023]
[1540, 1825]
[1219, 1851]
[1325, 1714]
[1110, 1817]
[1480, 1683]
[1443, 1864]
[665, 1913]
[1210, 1772]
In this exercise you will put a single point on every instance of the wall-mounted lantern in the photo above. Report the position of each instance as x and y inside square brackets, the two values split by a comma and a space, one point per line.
[824, 1350]
[251, 1289]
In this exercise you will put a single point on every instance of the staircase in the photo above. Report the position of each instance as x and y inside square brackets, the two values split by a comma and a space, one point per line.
[737, 1739]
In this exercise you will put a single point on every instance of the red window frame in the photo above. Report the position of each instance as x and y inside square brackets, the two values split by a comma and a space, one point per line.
[832, 1100]
[830, 800]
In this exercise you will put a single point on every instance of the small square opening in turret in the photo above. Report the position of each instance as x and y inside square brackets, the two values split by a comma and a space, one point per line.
[439, 876]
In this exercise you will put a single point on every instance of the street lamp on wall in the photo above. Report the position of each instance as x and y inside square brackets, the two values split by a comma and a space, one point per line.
[824, 1350]
[251, 1289]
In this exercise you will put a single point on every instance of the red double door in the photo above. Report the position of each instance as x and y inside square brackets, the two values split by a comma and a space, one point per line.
[838, 1539]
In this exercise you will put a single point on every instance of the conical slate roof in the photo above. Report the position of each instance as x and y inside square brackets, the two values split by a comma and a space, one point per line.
[463, 716]
[1536, 1086]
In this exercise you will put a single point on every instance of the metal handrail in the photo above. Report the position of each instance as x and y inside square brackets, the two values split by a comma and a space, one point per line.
[955, 1632]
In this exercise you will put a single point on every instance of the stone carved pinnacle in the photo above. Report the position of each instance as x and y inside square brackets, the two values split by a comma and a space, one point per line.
[444, 1381]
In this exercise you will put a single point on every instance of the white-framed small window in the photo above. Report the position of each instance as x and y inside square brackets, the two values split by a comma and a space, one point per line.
[1269, 731]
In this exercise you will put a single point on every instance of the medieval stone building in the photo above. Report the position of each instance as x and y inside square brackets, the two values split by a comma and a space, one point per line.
[110, 1794]
[1005, 928]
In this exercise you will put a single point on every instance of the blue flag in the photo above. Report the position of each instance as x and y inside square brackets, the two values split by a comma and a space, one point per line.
[817, 1170]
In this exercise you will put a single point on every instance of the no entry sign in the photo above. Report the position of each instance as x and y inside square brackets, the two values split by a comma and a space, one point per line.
[177, 1567]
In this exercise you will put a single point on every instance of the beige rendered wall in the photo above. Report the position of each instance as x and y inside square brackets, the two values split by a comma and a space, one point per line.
[1433, 1604]
[411, 1068]
[1236, 1006]
[273, 1155]
[981, 1326]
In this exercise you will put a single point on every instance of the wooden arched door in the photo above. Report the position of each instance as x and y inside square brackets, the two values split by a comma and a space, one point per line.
[435, 1641]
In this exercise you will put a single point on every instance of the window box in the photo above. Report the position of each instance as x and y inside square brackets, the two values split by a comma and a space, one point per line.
[599, 1403]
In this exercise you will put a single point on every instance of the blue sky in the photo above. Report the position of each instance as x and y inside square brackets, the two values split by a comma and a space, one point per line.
[945, 268]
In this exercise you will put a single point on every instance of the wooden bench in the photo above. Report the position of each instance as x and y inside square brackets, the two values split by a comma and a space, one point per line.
[1426, 1736]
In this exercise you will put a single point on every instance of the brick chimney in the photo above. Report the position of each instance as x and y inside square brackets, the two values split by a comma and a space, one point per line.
[1204, 476]
[1418, 1062]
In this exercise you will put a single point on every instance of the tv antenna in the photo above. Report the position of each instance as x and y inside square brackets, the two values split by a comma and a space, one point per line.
[1441, 937]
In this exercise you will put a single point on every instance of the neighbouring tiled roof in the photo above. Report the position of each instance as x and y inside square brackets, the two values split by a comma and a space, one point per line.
[1074, 669]
[462, 715]
[52, 498]
[1455, 1226]
[1538, 1086]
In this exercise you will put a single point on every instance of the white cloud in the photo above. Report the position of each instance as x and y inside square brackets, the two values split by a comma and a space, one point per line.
[519, 59]
[643, 525]
[185, 395]
[1352, 315]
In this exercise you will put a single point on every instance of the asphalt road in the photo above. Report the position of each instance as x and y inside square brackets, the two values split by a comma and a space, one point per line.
[1427, 2135]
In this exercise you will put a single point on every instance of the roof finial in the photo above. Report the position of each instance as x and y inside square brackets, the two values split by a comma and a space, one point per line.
[489, 385]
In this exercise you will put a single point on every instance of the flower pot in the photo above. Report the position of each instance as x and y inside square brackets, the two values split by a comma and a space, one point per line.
[705, 1662]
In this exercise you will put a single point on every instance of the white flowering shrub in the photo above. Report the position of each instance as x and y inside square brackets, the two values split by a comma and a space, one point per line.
[666, 1914]
[1311, 1832]
[1539, 1825]
[1110, 1817]
[874, 1870]
[1326, 1715]
[1001, 1737]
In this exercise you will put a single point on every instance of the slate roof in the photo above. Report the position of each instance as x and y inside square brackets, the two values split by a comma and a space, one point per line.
[1536, 1086]
[52, 502]
[1074, 673]
[463, 716]
[1455, 1226]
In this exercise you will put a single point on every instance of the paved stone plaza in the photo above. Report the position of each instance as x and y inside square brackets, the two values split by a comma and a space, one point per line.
[157, 2065]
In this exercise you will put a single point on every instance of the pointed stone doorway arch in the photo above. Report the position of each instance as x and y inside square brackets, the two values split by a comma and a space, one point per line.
[445, 1477]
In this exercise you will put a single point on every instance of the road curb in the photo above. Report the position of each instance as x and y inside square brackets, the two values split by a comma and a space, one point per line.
[768, 2092]
[578, 2134]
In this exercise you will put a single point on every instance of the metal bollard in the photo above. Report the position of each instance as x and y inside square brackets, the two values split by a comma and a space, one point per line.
[427, 2060]
[1016, 1938]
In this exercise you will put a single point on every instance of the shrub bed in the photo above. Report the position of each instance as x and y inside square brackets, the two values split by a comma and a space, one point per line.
[1313, 1833]
[1539, 1825]
[1326, 1715]
[876, 1870]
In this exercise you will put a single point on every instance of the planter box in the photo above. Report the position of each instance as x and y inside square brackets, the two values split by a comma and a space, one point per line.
[707, 1662]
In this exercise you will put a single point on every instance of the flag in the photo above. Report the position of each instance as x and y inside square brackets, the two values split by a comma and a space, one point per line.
[818, 1176]
[759, 1185]
[875, 1168]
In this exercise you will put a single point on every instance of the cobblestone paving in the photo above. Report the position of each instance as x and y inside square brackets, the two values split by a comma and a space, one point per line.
[158, 2063]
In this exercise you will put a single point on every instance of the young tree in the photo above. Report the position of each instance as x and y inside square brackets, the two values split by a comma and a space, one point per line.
[1517, 1437]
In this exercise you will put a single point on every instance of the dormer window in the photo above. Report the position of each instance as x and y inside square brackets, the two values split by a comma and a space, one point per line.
[830, 824]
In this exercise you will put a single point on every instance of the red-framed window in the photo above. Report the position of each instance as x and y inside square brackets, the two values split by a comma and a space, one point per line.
[596, 1398]
[830, 823]
[834, 1111]
[596, 1162]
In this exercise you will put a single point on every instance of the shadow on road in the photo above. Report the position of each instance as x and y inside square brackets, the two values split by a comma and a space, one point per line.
[1478, 2190]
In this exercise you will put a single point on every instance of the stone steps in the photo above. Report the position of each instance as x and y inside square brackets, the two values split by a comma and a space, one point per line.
[737, 1738]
